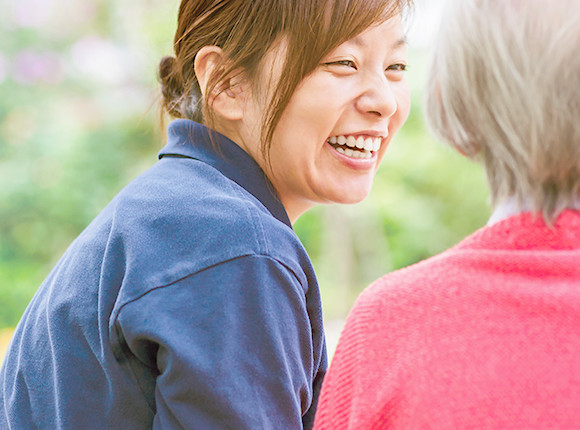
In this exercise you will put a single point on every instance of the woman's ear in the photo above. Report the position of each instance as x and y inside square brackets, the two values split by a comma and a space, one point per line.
[226, 97]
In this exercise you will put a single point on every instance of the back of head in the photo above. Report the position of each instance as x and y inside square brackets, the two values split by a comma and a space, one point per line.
[505, 87]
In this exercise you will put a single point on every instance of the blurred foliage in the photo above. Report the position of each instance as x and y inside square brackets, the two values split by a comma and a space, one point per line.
[78, 121]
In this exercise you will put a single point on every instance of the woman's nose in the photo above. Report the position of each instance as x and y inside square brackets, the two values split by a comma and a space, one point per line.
[378, 98]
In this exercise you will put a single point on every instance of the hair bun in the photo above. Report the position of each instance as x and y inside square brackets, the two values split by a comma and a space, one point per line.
[171, 85]
[166, 68]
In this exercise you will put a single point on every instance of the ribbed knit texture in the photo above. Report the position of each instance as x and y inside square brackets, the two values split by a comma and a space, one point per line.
[483, 336]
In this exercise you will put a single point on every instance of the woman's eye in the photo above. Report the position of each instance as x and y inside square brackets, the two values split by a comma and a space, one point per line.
[397, 67]
[347, 63]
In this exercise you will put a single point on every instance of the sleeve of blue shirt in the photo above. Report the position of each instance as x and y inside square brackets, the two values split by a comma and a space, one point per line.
[231, 345]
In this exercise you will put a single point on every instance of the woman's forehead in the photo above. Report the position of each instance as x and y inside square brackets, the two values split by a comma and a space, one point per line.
[397, 37]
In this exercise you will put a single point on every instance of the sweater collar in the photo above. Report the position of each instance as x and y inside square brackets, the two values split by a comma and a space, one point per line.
[189, 139]
[527, 230]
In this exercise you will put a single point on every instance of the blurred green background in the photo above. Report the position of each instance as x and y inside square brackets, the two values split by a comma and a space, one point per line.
[79, 120]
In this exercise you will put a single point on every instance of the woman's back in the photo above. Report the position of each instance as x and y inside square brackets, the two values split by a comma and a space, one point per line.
[485, 335]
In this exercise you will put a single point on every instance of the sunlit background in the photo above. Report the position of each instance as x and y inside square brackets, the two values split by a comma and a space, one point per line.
[79, 120]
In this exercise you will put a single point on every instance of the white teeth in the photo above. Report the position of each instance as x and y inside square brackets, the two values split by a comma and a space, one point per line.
[359, 154]
[367, 145]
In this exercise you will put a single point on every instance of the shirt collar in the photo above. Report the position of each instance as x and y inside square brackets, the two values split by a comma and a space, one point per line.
[192, 140]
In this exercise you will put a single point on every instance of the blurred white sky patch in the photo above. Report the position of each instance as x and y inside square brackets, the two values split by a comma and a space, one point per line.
[3, 68]
[49, 16]
[32, 13]
[102, 60]
[424, 23]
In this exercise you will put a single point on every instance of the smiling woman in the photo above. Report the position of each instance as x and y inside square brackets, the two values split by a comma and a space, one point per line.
[189, 302]
[345, 88]
[335, 130]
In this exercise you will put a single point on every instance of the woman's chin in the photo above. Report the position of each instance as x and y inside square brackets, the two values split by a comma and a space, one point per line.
[350, 197]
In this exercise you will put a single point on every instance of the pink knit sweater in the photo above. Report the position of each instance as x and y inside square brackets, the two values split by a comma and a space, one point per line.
[483, 336]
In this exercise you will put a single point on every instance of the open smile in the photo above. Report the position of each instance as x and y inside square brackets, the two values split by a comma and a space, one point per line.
[356, 147]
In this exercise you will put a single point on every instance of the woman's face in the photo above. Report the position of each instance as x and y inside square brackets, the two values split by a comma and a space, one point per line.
[336, 128]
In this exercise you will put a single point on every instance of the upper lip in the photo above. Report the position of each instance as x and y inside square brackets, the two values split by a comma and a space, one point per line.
[365, 133]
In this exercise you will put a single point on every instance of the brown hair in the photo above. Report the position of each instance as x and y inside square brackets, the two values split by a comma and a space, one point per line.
[245, 30]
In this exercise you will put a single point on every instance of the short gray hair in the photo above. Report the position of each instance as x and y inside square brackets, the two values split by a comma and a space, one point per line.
[504, 87]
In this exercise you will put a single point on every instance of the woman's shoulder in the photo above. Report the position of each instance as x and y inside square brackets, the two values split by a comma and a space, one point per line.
[169, 228]
[198, 216]
[409, 296]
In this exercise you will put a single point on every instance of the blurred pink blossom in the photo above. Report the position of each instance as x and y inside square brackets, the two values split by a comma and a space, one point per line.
[29, 67]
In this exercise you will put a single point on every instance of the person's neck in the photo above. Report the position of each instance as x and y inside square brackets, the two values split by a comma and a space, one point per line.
[510, 207]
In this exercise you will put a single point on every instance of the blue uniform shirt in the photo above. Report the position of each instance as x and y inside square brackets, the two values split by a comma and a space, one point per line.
[188, 303]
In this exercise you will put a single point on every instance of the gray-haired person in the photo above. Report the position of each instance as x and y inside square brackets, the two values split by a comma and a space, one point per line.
[486, 334]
